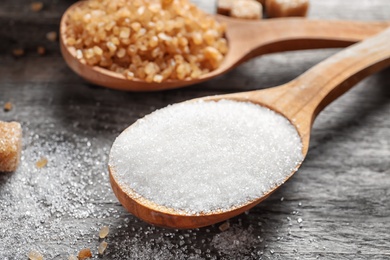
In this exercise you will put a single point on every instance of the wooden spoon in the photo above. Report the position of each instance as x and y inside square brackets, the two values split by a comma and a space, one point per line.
[247, 39]
[300, 101]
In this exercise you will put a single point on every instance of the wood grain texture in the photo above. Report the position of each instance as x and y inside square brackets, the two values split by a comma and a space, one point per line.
[341, 191]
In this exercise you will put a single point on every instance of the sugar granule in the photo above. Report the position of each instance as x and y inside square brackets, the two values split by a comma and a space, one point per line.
[224, 226]
[41, 50]
[151, 40]
[102, 247]
[10, 146]
[206, 156]
[35, 255]
[17, 52]
[42, 162]
[72, 257]
[51, 36]
[7, 106]
[85, 253]
[36, 6]
[103, 232]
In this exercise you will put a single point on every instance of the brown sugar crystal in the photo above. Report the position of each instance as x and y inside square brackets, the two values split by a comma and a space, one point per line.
[35, 255]
[36, 6]
[224, 6]
[151, 40]
[85, 253]
[224, 226]
[247, 9]
[103, 232]
[73, 257]
[10, 146]
[7, 106]
[41, 50]
[42, 162]
[286, 8]
[102, 247]
[18, 52]
[51, 36]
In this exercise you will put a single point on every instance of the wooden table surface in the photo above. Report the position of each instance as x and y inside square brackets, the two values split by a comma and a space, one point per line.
[336, 207]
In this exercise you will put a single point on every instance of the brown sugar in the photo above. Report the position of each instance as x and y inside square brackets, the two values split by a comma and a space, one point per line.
[224, 6]
[103, 232]
[224, 226]
[7, 106]
[85, 253]
[286, 8]
[42, 162]
[35, 255]
[18, 52]
[246, 9]
[41, 50]
[102, 247]
[51, 36]
[10, 146]
[36, 6]
[152, 40]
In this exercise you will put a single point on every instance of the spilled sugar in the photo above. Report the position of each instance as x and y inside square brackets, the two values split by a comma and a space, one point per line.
[235, 242]
[103, 232]
[205, 156]
[59, 209]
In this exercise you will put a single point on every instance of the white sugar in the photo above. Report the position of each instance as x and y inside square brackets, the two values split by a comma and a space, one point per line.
[206, 156]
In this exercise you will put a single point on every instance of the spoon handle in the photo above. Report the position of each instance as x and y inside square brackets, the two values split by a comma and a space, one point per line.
[315, 89]
[302, 99]
[256, 38]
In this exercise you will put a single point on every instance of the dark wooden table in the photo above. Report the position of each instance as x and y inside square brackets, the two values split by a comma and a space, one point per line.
[336, 207]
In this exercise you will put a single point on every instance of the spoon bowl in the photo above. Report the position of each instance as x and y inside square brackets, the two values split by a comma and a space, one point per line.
[246, 39]
[300, 101]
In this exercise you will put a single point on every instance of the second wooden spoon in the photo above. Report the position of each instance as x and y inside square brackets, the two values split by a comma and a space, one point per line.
[246, 39]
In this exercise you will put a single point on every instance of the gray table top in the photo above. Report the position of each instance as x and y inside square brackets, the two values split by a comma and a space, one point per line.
[336, 207]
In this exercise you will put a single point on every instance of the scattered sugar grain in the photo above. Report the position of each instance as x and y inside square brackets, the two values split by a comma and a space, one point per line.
[72, 257]
[18, 52]
[224, 7]
[205, 156]
[85, 253]
[10, 146]
[51, 36]
[102, 247]
[225, 226]
[286, 8]
[103, 232]
[42, 162]
[36, 6]
[41, 50]
[7, 106]
[35, 255]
